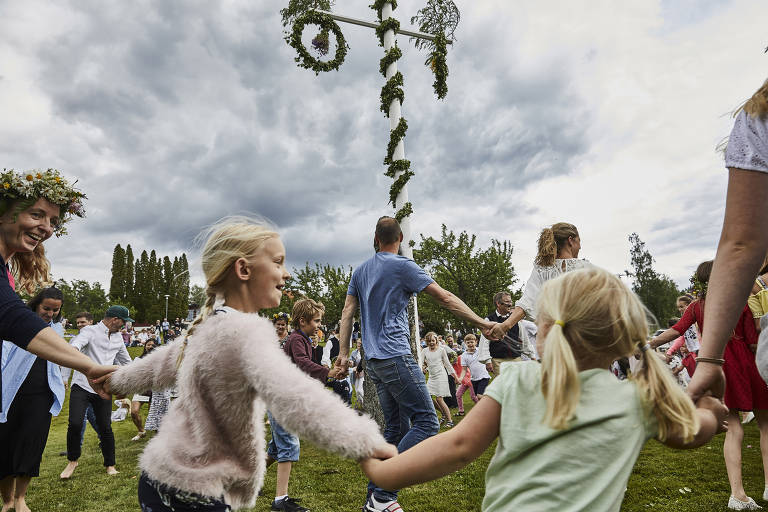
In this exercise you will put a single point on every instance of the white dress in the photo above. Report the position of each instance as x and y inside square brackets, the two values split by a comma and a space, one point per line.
[437, 364]
[541, 275]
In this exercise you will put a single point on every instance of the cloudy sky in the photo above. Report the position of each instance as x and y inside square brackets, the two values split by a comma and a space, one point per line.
[173, 114]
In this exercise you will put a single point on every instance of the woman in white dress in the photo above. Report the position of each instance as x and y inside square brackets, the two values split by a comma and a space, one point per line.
[434, 360]
[558, 253]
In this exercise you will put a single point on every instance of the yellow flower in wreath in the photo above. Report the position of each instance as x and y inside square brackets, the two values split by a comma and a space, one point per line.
[57, 179]
[30, 177]
[39, 175]
[6, 185]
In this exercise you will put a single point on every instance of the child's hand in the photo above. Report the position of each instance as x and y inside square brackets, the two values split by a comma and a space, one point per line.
[717, 408]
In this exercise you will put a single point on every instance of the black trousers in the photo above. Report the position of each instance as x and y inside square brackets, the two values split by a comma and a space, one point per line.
[157, 497]
[78, 402]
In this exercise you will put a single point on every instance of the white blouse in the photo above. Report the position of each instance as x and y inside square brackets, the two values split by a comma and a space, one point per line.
[541, 275]
[748, 144]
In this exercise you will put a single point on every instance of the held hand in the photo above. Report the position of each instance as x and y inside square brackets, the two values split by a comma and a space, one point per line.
[708, 377]
[497, 332]
[717, 408]
[342, 360]
[336, 372]
[97, 377]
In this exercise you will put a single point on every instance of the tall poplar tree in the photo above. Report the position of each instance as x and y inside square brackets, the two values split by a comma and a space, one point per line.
[128, 275]
[117, 283]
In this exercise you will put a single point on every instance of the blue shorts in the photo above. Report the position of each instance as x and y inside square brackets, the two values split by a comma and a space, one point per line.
[284, 446]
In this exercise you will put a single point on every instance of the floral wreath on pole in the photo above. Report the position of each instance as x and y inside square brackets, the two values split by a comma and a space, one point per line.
[320, 42]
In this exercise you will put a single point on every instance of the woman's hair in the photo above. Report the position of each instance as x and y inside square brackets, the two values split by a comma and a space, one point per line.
[47, 293]
[226, 241]
[551, 240]
[430, 335]
[145, 351]
[305, 309]
[594, 315]
[757, 105]
[32, 269]
[764, 266]
[685, 298]
[703, 271]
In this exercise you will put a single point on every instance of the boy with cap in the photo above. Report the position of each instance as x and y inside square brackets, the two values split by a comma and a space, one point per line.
[103, 343]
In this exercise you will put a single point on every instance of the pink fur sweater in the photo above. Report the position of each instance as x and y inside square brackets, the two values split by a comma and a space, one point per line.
[212, 440]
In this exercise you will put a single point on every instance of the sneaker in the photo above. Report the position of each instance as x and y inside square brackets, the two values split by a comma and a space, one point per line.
[139, 436]
[288, 504]
[765, 494]
[748, 417]
[373, 505]
[449, 424]
[735, 504]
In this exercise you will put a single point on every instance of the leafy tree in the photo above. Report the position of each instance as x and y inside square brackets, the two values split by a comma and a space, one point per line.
[657, 291]
[80, 295]
[472, 274]
[128, 274]
[117, 283]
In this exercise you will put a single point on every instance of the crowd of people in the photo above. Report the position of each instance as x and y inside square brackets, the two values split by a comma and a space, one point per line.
[546, 392]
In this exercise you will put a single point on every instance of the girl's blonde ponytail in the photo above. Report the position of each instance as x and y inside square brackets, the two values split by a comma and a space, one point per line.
[559, 379]
[205, 312]
[674, 411]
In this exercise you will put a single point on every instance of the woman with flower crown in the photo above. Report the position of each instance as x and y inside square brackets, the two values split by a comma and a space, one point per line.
[33, 206]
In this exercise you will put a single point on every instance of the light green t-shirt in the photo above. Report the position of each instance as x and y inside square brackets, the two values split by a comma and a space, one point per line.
[584, 467]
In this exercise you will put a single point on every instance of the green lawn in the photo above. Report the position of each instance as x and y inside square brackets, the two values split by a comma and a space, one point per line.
[328, 483]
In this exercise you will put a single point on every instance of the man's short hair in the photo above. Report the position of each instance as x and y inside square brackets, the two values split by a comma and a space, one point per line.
[305, 309]
[499, 296]
[387, 230]
[84, 314]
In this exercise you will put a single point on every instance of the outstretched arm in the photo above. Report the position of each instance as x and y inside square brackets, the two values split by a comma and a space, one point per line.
[442, 454]
[153, 371]
[456, 306]
[345, 330]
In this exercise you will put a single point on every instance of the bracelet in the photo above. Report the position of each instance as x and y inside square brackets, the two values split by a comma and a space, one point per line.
[711, 360]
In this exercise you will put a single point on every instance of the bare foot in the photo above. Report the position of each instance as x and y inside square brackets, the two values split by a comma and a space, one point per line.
[21, 505]
[67, 473]
[7, 506]
[111, 470]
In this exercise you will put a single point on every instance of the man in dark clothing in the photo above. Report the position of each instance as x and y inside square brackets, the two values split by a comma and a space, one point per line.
[495, 352]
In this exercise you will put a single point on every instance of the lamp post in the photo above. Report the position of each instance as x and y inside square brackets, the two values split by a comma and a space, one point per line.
[166, 307]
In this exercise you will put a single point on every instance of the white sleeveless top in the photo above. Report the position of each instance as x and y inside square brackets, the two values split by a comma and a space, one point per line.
[748, 144]
[541, 275]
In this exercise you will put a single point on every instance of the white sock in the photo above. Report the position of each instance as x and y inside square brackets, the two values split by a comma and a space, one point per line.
[281, 498]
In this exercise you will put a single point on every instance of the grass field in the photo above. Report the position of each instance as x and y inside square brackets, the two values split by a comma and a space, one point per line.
[328, 483]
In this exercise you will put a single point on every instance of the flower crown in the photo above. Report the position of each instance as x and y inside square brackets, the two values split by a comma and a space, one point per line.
[281, 316]
[32, 185]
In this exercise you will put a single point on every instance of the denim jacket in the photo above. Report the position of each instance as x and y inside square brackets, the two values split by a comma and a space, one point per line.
[16, 363]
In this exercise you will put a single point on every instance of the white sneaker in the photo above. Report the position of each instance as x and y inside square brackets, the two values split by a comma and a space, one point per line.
[735, 504]
[748, 417]
[373, 505]
[765, 494]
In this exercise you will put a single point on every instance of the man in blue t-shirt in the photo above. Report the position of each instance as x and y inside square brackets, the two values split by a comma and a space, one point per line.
[381, 287]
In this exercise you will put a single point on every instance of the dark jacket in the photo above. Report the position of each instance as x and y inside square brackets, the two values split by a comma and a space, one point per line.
[509, 347]
[299, 349]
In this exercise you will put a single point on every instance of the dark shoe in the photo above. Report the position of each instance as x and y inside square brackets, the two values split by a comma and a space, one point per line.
[288, 504]
[63, 454]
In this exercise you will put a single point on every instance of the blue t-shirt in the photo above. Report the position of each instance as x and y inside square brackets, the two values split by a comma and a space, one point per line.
[383, 285]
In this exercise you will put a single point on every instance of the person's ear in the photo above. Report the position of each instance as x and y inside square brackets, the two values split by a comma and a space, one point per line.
[242, 269]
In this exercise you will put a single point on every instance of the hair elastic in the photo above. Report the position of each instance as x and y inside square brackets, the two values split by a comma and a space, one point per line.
[645, 347]
[560, 323]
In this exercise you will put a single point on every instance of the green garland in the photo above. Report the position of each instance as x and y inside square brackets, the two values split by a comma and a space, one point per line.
[439, 66]
[398, 185]
[378, 5]
[404, 212]
[387, 24]
[391, 55]
[326, 23]
[394, 138]
[392, 90]
[396, 166]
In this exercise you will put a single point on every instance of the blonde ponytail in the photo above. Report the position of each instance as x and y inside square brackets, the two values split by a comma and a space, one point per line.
[757, 105]
[595, 318]
[674, 411]
[559, 380]
[551, 240]
[205, 312]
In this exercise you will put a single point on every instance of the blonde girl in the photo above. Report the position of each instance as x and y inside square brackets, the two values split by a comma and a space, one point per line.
[569, 432]
[209, 455]
[434, 360]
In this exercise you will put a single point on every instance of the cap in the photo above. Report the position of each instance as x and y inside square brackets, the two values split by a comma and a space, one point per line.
[120, 312]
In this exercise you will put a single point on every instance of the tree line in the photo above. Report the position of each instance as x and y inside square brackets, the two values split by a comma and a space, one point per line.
[141, 284]
[455, 261]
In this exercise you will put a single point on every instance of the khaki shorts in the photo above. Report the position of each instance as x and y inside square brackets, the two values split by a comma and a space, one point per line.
[497, 363]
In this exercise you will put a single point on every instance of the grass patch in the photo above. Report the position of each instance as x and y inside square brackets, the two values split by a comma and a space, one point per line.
[327, 483]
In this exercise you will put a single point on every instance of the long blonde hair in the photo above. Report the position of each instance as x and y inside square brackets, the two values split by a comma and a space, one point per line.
[32, 269]
[757, 105]
[551, 240]
[226, 241]
[601, 317]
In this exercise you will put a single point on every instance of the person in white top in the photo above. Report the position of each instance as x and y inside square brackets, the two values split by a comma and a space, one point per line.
[558, 253]
[103, 343]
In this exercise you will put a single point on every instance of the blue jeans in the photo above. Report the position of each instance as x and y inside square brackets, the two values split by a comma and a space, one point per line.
[409, 413]
[284, 446]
